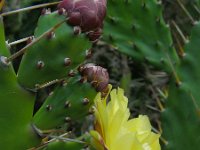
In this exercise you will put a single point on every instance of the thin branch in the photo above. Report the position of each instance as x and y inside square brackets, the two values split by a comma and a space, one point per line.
[28, 8]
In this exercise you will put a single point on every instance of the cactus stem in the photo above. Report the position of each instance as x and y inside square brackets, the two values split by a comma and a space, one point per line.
[28, 8]
[186, 11]
[20, 52]
[20, 41]
[185, 40]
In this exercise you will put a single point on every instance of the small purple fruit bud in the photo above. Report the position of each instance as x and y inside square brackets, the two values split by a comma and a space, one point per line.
[96, 75]
[88, 14]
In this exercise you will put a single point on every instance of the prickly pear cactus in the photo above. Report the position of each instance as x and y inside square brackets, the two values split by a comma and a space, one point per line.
[55, 60]
[181, 116]
[70, 101]
[52, 56]
[16, 106]
[144, 36]
[64, 145]
[55, 56]
[136, 28]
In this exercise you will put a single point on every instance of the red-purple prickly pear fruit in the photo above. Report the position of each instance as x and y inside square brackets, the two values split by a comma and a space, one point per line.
[88, 14]
[96, 75]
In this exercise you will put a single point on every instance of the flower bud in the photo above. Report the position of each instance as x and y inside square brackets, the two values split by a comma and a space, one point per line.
[96, 75]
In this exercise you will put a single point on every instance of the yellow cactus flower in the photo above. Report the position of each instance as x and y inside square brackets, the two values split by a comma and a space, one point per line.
[1, 4]
[114, 131]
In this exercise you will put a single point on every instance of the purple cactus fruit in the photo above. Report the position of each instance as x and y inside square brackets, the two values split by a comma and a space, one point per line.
[88, 14]
[96, 75]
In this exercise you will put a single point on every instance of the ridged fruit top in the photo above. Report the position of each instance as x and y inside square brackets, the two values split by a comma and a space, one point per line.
[88, 14]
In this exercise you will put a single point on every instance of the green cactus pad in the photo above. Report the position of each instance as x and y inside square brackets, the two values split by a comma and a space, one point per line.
[60, 145]
[68, 102]
[136, 28]
[189, 71]
[45, 60]
[16, 107]
[181, 119]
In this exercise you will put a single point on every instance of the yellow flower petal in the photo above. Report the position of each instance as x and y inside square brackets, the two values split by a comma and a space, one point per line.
[113, 129]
